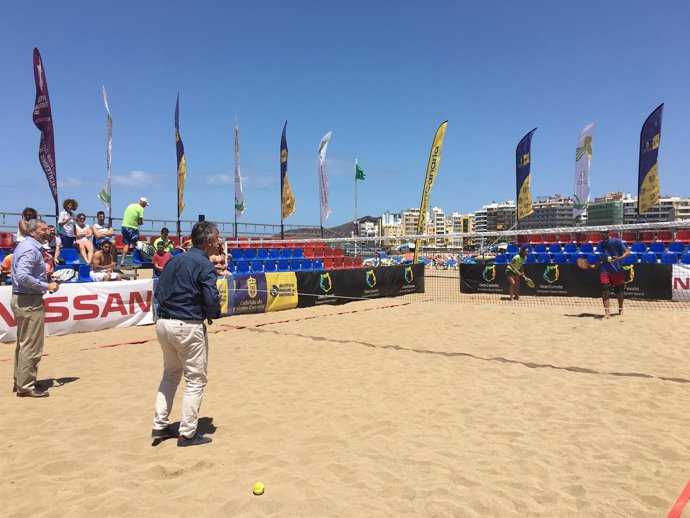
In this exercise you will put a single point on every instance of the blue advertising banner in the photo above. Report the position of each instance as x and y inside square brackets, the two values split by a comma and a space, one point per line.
[250, 294]
[523, 159]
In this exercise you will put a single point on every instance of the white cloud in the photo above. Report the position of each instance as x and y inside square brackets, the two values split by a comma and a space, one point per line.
[248, 182]
[134, 179]
[219, 179]
[72, 182]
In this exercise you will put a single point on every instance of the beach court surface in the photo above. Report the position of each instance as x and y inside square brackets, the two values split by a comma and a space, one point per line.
[376, 408]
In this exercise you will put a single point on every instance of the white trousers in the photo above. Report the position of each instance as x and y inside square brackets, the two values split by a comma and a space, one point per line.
[185, 351]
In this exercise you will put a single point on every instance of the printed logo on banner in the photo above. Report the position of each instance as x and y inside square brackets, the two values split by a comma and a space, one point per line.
[252, 290]
[282, 293]
[409, 274]
[551, 274]
[325, 282]
[629, 271]
[222, 285]
[250, 294]
[489, 273]
[371, 278]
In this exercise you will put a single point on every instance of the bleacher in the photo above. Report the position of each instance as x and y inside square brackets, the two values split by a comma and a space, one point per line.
[661, 246]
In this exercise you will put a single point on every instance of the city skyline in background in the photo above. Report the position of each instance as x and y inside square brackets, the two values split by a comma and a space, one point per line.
[374, 74]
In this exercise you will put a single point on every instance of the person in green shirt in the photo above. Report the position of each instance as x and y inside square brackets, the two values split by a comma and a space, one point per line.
[168, 245]
[515, 270]
[133, 217]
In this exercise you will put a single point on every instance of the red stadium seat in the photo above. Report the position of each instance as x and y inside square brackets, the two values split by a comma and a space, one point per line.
[630, 237]
[594, 238]
[614, 234]
[646, 237]
[348, 262]
[338, 252]
[327, 251]
[338, 262]
[318, 252]
[243, 242]
[358, 262]
[535, 239]
[328, 263]
[565, 238]
[580, 238]
[523, 239]
[550, 239]
[665, 236]
[683, 236]
[308, 253]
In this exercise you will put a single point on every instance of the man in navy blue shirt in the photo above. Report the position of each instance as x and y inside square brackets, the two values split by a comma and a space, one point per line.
[613, 251]
[187, 295]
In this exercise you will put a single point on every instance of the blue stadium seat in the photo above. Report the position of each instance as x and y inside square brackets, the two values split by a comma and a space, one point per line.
[283, 265]
[657, 247]
[573, 257]
[638, 248]
[555, 248]
[242, 267]
[84, 271]
[676, 248]
[136, 258]
[297, 253]
[586, 248]
[500, 259]
[598, 249]
[570, 248]
[685, 259]
[592, 258]
[318, 264]
[286, 253]
[69, 256]
[236, 254]
[668, 258]
[231, 267]
[257, 266]
[295, 265]
[249, 254]
[531, 259]
[543, 258]
[270, 266]
[262, 254]
[560, 258]
[307, 265]
[540, 248]
[512, 249]
[274, 253]
[630, 259]
[649, 258]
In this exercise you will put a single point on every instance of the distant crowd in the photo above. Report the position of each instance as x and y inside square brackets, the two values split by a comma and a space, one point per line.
[97, 243]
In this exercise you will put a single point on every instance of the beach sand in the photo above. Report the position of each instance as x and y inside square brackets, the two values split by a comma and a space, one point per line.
[376, 408]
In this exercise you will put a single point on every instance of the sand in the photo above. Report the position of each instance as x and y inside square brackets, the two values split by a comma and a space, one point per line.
[375, 408]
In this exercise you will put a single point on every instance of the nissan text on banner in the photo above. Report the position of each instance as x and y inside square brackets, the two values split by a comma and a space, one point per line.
[43, 119]
[583, 160]
[648, 174]
[323, 178]
[522, 175]
[431, 172]
[181, 161]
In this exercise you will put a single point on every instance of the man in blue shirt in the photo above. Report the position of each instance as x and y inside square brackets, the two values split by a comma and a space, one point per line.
[29, 284]
[187, 295]
[613, 251]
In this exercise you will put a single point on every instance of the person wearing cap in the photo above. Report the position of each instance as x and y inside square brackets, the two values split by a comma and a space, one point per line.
[132, 219]
[515, 270]
[613, 251]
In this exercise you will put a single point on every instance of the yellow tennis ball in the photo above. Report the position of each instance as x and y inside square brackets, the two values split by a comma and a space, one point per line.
[610, 259]
[258, 488]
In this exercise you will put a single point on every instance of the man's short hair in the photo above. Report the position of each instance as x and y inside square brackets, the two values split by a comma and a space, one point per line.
[99, 213]
[202, 232]
[32, 224]
[165, 229]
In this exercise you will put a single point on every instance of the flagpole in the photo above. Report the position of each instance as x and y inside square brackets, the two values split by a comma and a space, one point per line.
[355, 222]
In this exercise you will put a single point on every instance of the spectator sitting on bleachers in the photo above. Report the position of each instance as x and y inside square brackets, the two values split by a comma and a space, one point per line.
[83, 235]
[54, 244]
[161, 257]
[168, 245]
[6, 265]
[186, 245]
[102, 264]
[219, 260]
[101, 231]
[27, 215]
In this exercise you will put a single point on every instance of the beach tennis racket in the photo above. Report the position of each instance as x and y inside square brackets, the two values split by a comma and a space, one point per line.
[62, 275]
[529, 282]
[583, 263]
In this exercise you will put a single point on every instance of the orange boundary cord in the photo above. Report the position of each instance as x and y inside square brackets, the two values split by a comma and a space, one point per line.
[677, 508]
[234, 328]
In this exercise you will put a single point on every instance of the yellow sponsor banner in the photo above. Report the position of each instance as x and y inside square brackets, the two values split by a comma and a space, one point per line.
[282, 291]
[222, 285]
[524, 206]
[431, 173]
[649, 190]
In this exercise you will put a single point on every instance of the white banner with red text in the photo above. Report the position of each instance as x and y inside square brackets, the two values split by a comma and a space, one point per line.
[88, 306]
[681, 282]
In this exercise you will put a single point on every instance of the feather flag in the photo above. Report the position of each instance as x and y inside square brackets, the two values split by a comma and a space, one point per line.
[323, 178]
[43, 119]
[287, 199]
[239, 193]
[583, 159]
[431, 173]
[181, 160]
[523, 159]
[648, 171]
[104, 195]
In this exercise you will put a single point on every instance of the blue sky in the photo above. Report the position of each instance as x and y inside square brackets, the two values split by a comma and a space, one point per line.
[381, 75]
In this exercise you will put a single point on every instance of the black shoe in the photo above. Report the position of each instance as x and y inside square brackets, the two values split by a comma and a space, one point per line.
[197, 440]
[33, 393]
[165, 433]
